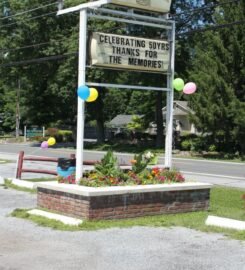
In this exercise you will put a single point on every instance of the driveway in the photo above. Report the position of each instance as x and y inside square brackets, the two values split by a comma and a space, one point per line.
[26, 246]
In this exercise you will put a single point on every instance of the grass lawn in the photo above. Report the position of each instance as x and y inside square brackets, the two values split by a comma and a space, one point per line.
[8, 184]
[225, 202]
[42, 179]
[4, 161]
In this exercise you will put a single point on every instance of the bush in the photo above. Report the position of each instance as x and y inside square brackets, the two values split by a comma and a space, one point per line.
[60, 135]
[212, 148]
[186, 145]
[64, 136]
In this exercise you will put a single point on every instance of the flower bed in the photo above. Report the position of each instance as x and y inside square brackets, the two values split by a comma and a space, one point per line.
[108, 192]
[129, 177]
[108, 173]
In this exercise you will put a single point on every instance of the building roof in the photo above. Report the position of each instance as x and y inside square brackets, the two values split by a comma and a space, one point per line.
[122, 120]
[180, 108]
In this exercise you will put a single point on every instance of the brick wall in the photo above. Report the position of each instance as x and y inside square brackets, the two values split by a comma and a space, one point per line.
[123, 205]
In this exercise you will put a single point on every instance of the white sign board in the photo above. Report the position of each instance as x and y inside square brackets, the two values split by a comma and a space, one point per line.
[162, 6]
[126, 52]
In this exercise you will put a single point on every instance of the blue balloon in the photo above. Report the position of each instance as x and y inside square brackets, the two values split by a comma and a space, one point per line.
[83, 92]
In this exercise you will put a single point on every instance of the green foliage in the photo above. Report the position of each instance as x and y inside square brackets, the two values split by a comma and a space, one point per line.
[136, 124]
[219, 73]
[212, 148]
[129, 177]
[108, 173]
[64, 136]
[214, 60]
[108, 165]
[139, 163]
[186, 145]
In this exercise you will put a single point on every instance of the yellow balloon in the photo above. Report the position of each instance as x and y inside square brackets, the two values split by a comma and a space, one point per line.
[93, 95]
[51, 141]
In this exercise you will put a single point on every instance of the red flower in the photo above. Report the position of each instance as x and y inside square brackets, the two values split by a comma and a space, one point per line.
[155, 171]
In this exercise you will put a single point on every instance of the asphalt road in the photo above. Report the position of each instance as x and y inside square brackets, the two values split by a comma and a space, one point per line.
[227, 173]
[26, 246]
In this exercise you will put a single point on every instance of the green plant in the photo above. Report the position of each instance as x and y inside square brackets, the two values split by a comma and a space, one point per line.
[129, 177]
[212, 148]
[186, 145]
[136, 123]
[108, 173]
[139, 163]
[63, 136]
[108, 165]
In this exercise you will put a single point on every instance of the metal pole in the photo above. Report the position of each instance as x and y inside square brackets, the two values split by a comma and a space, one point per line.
[24, 133]
[170, 101]
[43, 131]
[81, 82]
[17, 115]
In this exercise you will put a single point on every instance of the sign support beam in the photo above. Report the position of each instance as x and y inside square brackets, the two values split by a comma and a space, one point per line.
[81, 81]
[81, 76]
[83, 8]
[170, 101]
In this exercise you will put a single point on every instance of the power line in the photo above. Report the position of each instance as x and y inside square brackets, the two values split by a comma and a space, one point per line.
[31, 45]
[46, 43]
[26, 11]
[24, 47]
[63, 56]
[36, 17]
[204, 8]
[211, 28]
[39, 60]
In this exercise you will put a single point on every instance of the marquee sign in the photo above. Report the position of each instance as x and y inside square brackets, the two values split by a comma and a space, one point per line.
[126, 52]
[162, 6]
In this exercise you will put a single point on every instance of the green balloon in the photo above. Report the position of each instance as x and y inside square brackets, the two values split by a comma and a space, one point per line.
[178, 84]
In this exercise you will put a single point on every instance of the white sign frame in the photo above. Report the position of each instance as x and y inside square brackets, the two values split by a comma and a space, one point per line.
[143, 20]
[159, 6]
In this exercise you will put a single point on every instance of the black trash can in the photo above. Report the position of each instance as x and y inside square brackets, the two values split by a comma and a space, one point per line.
[66, 166]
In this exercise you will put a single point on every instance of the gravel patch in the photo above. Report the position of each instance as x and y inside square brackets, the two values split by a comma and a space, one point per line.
[25, 245]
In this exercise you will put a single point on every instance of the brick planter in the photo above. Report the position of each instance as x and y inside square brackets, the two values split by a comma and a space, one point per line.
[123, 202]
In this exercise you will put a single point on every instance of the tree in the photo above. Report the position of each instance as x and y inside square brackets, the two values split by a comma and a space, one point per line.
[218, 71]
[48, 91]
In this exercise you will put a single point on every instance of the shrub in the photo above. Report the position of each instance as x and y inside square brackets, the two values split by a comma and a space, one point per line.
[66, 135]
[212, 148]
[186, 145]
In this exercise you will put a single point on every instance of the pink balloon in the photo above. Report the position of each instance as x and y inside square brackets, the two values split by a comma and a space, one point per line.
[190, 88]
[44, 145]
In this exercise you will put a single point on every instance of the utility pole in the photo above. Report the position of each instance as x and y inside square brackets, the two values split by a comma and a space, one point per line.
[17, 112]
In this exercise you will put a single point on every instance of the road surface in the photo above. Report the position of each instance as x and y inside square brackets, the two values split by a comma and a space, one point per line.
[217, 172]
